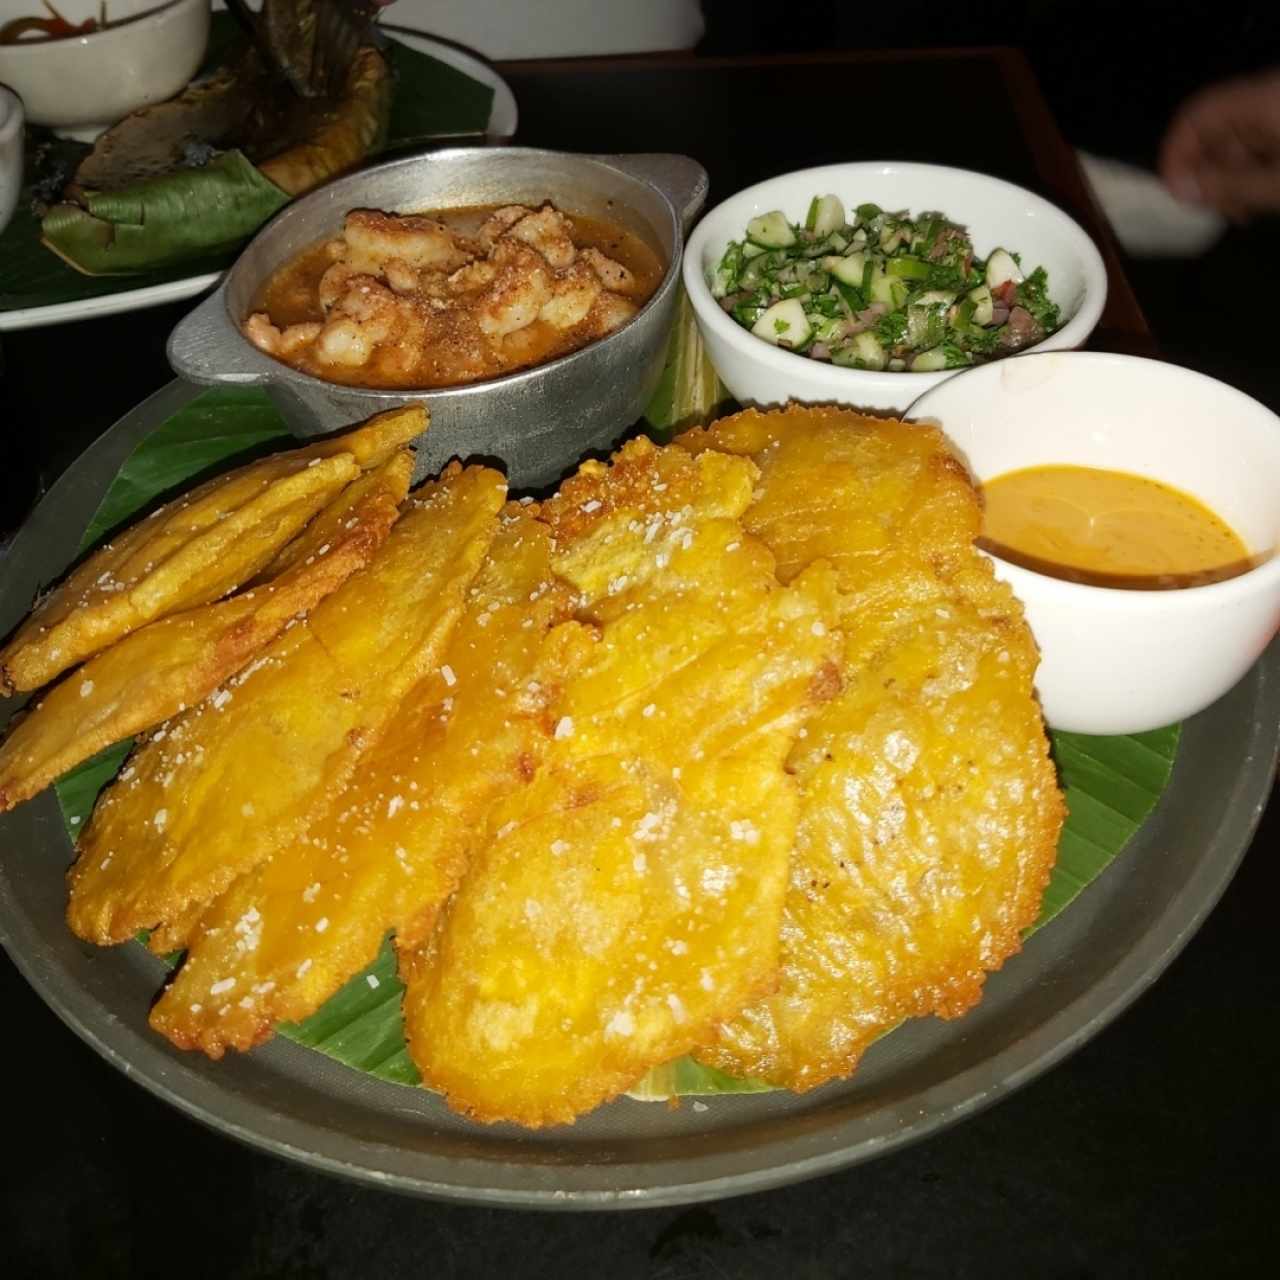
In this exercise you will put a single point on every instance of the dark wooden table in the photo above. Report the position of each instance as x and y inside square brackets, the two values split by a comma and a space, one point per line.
[1148, 1153]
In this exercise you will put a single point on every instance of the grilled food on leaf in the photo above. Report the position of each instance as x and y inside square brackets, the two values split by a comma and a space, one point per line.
[399, 835]
[628, 899]
[235, 780]
[165, 667]
[305, 98]
[930, 812]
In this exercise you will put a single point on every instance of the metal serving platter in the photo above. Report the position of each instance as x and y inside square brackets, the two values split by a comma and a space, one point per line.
[1073, 978]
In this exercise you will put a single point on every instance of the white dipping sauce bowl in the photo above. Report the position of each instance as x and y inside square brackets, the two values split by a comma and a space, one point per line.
[1112, 660]
[83, 84]
[997, 215]
[10, 153]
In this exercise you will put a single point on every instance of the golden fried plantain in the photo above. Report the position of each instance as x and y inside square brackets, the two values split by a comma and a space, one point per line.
[395, 842]
[167, 666]
[930, 812]
[194, 549]
[628, 899]
[233, 781]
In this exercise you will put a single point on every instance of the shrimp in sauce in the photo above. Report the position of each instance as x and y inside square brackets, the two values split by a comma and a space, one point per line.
[436, 300]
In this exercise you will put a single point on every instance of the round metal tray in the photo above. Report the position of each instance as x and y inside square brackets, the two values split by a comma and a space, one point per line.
[1069, 982]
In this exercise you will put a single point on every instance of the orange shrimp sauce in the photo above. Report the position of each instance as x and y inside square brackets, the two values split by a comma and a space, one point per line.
[1108, 529]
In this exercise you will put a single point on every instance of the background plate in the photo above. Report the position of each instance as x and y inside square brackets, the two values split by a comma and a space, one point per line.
[1072, 979]
[503, 118]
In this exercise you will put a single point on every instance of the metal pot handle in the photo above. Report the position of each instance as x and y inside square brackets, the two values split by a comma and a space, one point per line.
[207, 349]
[680, 178]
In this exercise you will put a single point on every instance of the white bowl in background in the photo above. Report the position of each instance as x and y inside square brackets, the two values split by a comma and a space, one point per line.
[997, 214]
[1115, 660]
[82, 84]
[10, 153]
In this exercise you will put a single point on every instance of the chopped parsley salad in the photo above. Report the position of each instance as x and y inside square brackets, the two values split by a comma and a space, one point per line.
[877, 290]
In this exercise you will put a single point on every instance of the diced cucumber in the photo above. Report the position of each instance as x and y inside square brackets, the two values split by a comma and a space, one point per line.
[925, 326]
[725, 277]
[892, 234]
[962, 318]
[896, 366]
[784, 324]
[983, 306]
[826, 214]
[837, 242]
[772, 230]
[830, 330]
[908, 268]
[1001, 268]
[849, 268]
[928, 361]
[870, 350]
[750, 250]
[934, 298]
[885, 288]
[859, 236]
[863, 351]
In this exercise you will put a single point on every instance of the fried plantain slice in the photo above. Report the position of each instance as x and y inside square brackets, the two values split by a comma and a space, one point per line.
[229, 783]
[395, 842]
[191, 551]
[194, 549]
[930, 811]
[390, 478]
[628, 899]
[167, 666]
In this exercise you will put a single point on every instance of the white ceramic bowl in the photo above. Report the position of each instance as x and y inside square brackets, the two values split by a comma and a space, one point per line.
[1111, 660]
[10, 153]
[997, 215]
[82, 84]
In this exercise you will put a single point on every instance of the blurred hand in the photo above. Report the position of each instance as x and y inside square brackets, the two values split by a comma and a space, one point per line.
[1223, 147]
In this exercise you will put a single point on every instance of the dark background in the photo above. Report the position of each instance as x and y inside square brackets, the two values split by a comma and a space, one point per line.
[1151, 1152]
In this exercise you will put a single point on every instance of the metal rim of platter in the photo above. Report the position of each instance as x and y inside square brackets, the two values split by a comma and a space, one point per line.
[1071, 980]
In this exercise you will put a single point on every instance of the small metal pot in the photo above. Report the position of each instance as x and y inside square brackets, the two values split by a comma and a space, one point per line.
[537, 423]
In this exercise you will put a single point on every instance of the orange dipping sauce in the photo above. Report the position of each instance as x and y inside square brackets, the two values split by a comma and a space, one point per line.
[1108, 529]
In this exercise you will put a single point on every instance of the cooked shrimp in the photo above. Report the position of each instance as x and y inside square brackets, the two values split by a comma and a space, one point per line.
[613, 275]
[520, 290]
[475, 275]
[333, 284]
[262, 333]
[610, 312]
[344, 342]
[375, 238]
[572, 294]
[550, 233]
[499, 221]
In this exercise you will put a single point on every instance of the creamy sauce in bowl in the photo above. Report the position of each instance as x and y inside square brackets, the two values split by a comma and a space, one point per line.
[1109, 528]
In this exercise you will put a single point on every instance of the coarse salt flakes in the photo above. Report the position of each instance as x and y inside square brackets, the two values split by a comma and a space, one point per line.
[732, 546]
[676, 1005]
[743, 829]
[559, 846]
[818, 629]
[303, 968]
[195, 1008]
[372, 980]
[220, 699]
[564, 727]
[677, 946]
[649, 710]
[162, 816]
[247, 810]
[309, 893]
[593, 505]
[640, 863]
[86, 688]
[394, 805]
[223, 984]
[621, 1024]
[446, 674]
[322, 924]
